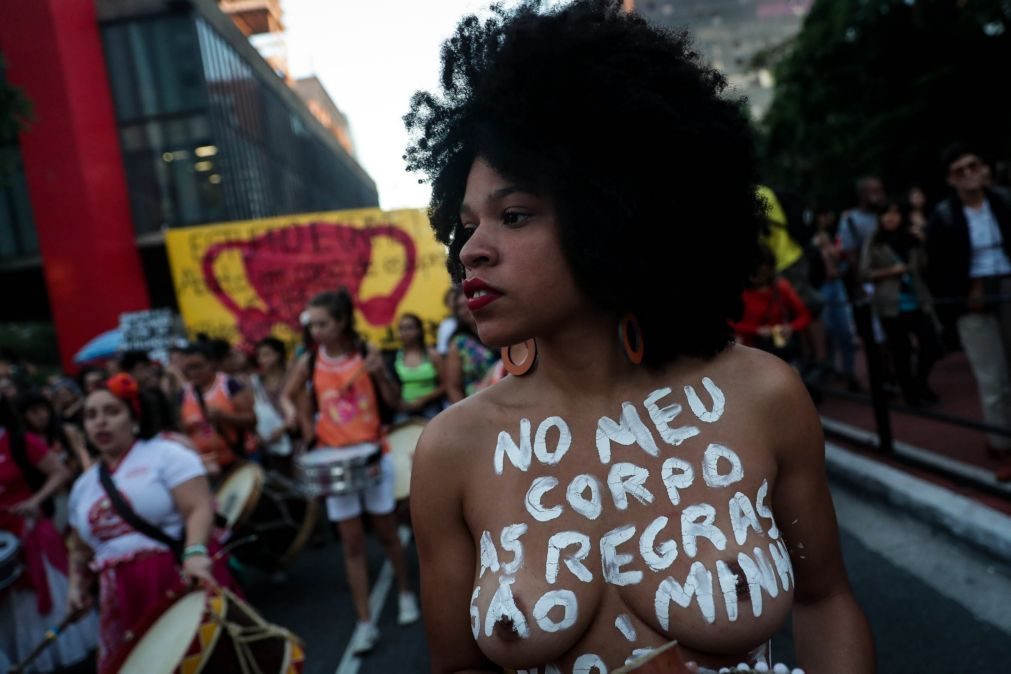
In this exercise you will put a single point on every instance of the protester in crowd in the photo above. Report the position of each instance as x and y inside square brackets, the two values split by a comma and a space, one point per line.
[30, 474]
[216, 410]
[172, 379]
[774, 315]
[447, 326]
[789, 237]
[91, 377]
[859, 222]
[66, 440]
[148, 374]
[620, 263]
[267, 383]
[161, 484]
[969, 256]
[916, 202]
[68, 401]
[836, 314]
[350, 387]
[469, 360]
[894, 260]
[416, 365]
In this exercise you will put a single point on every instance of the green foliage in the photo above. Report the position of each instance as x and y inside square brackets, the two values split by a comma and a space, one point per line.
[881, 87]
[15, 109]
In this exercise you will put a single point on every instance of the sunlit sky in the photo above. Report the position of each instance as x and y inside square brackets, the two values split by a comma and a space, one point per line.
[371, 56]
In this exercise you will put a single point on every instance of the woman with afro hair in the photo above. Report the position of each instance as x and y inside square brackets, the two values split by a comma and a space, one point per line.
[638, 479]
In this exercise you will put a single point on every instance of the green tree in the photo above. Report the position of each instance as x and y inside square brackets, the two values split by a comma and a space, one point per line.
[882, 86]
[15, 113]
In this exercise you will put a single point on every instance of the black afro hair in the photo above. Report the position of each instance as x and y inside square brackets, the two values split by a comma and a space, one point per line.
[651, 168]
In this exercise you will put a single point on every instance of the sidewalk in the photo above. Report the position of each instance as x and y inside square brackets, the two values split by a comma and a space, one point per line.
[979, 516]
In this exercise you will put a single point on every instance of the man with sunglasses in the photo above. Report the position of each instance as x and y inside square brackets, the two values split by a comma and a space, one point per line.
[969, 258]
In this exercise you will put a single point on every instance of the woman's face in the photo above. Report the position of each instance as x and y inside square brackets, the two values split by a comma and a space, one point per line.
[891, 219]
[323, 327]
[917, 199]
[267, 358]
[92, 380]
[37, 417]
[198, 370]
[107, 422]
[410, 332]
[518, 284]
[63, 398]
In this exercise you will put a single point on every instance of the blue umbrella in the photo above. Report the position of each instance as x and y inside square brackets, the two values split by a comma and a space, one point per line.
[106, 345]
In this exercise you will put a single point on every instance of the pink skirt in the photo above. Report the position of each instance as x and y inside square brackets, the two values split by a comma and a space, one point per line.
[129, 588]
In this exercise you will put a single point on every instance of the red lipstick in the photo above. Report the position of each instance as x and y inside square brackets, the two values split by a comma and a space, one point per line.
[479, 293]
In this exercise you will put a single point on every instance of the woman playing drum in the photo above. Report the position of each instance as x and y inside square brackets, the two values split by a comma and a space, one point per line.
[642, 479]
[164, 484]
[346, 385]
[33, 602]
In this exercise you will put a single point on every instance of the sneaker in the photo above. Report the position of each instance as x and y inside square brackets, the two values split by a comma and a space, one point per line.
[408, 612]
[364, 638]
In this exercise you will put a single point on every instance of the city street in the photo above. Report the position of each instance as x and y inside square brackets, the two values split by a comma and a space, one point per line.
[934, 605]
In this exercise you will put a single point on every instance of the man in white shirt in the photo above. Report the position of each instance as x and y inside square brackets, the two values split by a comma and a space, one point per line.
[969, 272]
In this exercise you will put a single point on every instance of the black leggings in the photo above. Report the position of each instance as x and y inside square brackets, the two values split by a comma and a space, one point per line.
[898, 330]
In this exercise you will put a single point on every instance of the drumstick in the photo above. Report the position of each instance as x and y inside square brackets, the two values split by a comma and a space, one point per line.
[50, 636]
[225, 549]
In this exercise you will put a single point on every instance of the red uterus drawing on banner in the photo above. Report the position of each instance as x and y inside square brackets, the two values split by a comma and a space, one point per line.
[286, 267]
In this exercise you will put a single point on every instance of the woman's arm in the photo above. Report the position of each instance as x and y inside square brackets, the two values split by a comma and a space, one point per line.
[291, 396]
[81, 577]
[78, 448]
[195, 504]
[454, 375]
[57, 475]
[801, 315]
[831, 632]
[445, 551]
[389, 389]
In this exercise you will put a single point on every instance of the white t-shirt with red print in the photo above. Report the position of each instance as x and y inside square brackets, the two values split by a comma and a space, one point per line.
[145, 477]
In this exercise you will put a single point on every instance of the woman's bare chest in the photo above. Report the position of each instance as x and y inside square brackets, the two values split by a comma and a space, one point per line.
[659, 514]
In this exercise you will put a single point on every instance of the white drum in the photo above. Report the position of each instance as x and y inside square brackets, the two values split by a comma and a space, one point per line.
[335, 471]
[269, 508]
[10, 559]
[403, 439]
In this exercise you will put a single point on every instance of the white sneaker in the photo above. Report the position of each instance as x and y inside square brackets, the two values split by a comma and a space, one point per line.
[408, 611]
[364, 638]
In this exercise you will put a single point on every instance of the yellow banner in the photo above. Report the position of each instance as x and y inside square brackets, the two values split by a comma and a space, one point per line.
[245, 280]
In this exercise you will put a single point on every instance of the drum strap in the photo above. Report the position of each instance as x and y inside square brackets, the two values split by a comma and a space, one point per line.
[131, 517]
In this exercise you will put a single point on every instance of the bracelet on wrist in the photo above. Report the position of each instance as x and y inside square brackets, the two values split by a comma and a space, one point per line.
[196, 550]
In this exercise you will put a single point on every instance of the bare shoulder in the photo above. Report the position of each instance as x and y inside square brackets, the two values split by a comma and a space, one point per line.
[775, 394]
[452, 437]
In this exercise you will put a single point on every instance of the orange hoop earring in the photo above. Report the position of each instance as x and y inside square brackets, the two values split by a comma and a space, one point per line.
[524, 366]
[630, 335]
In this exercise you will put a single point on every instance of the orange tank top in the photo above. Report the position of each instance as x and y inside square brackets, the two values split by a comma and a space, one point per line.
[348, 411]
[208, 441]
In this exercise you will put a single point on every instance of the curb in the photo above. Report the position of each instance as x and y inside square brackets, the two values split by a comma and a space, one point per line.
[980, 526]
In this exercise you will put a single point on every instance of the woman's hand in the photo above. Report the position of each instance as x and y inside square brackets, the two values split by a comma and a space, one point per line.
[79, 600]
[198, 568]
[29, 508]
[374, 361]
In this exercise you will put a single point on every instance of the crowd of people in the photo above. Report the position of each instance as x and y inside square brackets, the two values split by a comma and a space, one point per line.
[167, 434]
[936, 275]
[108, 479]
